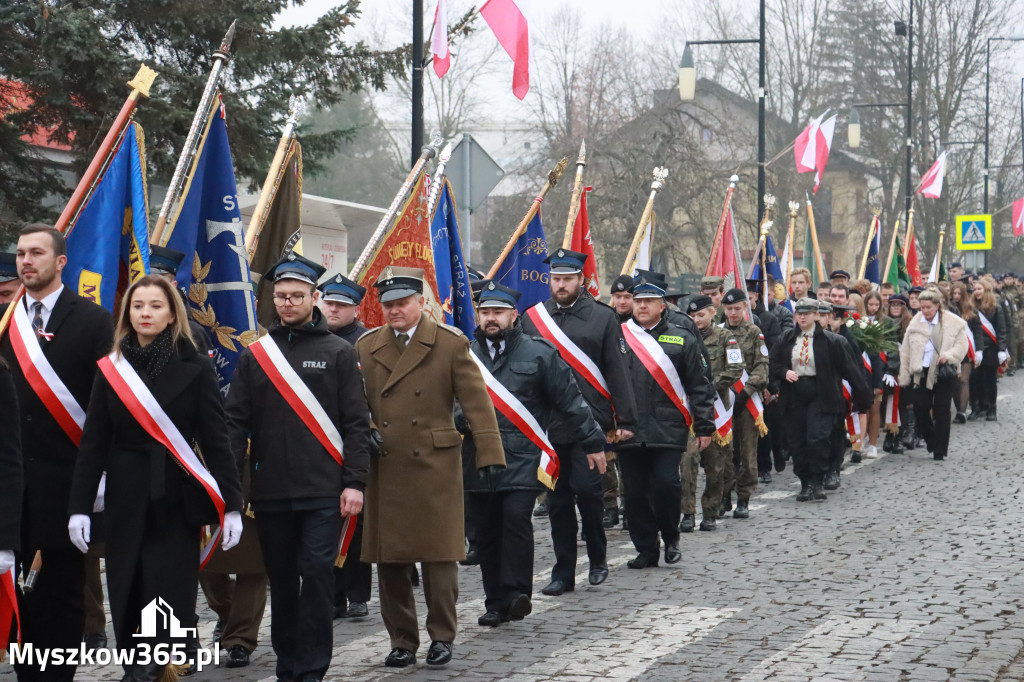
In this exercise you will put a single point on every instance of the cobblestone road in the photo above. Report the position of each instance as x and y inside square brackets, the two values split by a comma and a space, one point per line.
[912, 571]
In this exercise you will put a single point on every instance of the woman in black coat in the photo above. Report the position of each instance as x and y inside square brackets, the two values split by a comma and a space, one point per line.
[993, 352]
[155, 510]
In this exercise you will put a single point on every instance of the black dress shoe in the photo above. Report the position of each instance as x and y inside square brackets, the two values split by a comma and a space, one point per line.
[94, 642]
[765, 478]
[400, 658]
[472, 558]
[557, 587]
[598, 574]
[611, 518]
[708, 523]
[856, 457]
[742, 510]
[938, 458]
[831, 481]
[238, 656]
[643, 560]
[805, 494]
[520, 607]
[817, 494]
[672, 554]
[339, 612]
[357, 609]
[491, 619]
[780, 461]
[960, 418]
[541, 510]
[440, 653]
[991, 416]
[686, 525]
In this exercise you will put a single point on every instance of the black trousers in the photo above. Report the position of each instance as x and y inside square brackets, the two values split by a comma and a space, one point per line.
[932, 412]
[299, 549]
[772, 442]
[808, 429]
[504, 539]
[986, 374]
[578, 486]
[654, 495]
[838, 443]
[53, 614]
[352, 581]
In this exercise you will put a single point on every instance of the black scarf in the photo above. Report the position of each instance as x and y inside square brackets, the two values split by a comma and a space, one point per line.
[149, 361]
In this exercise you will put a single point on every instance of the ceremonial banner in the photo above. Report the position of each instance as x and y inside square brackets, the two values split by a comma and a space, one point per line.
[872, 271]
[645, 251]
[812, 146]
[108, 245]
[898, 275]
[208, 229]
[931, 181]
[583, 243]
[771, 262]
[453, 292]
[406, 244]
[509, 21]
[724, 260]
[1018, 218]
[913, 268]
[525, 270]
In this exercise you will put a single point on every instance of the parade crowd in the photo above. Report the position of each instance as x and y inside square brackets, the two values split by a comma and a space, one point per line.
[414, 448]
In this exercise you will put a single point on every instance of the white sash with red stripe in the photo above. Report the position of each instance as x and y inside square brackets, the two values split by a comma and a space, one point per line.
[41, 376]
[514, 410]
[569, 351]
[852, 418]
[892, 409]
[972, 352]
[867, 361]
[723, 421]
[143, 406]
[298, 396]
[755, 406]
[653, 357]
[990, 331]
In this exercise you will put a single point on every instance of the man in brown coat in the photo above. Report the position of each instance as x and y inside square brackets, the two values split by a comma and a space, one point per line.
[415, 370]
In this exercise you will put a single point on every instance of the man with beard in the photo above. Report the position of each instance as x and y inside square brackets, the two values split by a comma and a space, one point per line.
[589, 337]
[527, 378]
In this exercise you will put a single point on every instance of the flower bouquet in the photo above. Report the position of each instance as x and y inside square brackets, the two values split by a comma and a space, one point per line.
[873, 336]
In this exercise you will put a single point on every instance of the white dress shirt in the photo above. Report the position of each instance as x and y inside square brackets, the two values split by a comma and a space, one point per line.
[48, 302]
[929, 348]
[410, 333]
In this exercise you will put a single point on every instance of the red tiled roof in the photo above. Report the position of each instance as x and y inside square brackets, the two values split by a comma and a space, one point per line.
[15, 97]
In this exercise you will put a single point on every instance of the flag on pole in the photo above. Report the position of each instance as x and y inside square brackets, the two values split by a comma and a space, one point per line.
[913, 267]
[724, 260]
[508, 20]
[208, 229]
[439, 40]
[525, 270]
[898, 276]
[280, 231]
[1018, 218]
[771, 262]
[583, 243]
[644, 254]
[454, 295]
[931, 182]
[108, 246]
[812, 146]
[872, 270]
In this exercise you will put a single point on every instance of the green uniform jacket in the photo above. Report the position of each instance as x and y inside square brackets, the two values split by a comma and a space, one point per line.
[725, 374]
[753, 355]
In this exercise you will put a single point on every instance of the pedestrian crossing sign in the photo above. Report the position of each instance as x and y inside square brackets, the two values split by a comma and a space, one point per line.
[973, 232]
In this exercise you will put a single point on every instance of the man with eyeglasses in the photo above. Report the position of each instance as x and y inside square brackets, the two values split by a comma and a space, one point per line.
[297, 395]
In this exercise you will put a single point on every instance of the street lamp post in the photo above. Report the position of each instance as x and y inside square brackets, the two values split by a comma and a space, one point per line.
[688, 85]
[907, 29]
[988, 55]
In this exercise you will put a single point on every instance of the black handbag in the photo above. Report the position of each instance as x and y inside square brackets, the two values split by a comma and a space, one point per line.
[947, 372]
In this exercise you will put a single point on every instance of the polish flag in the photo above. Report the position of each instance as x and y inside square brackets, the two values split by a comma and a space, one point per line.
[507, 18]
[813, 145]
[1018, 218]
[931, 182]
[439, 40]
[582, 242]
[913, 267]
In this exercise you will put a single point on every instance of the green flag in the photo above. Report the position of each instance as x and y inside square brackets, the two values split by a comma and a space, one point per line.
[898, 274]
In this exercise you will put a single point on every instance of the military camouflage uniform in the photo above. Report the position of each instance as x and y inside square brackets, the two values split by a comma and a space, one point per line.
[747, 339]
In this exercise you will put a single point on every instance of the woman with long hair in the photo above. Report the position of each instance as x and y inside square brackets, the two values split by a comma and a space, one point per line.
[869, 306]
[153, 399]
[873, 305]
[962, 303]
[990, 335]
[933, 348]
[898, 310]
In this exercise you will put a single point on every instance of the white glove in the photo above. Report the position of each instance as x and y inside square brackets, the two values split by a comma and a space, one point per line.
[232, 530]
[1003, 356]
[978, 355]
[79, 528]
[889, 380]
[101, 489]
[6, 560]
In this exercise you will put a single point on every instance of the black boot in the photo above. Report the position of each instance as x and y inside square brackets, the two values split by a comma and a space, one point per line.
[831, 480]
[887, 443]
[991, 416]
[960, 418]
[817, 491]
[726, 502]
[686, 525]
[976, 411]
[611, 518]
[805, 491]
[742, 510]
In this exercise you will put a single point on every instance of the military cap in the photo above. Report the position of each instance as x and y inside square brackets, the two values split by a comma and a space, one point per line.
[395, 282]
[698, 303]
[341, 289]
[734, 296]
[839, 273]
[648, 290]
[294, 266]
[824, 307]
[956, 264]
[916, 290]
[899, 298]
[494, 295]
[474, 274]
[712, 283]
[8, 267]
[674, 293]
[162, 259]
[806, 305]
[623, 283]
[652, 276]
[566, 262]
[840, 308]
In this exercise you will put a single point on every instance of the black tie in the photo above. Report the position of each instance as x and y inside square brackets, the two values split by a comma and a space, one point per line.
[497, 351]
[37, 321]
[403, 339]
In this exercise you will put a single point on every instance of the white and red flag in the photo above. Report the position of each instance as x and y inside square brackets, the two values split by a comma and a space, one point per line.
[439, 40]
[584, 243]
[508, 20]
[1018, 218]
[813, 145]
[931, 182]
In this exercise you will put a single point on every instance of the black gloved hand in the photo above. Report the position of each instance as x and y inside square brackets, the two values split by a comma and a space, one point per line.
[491, 476]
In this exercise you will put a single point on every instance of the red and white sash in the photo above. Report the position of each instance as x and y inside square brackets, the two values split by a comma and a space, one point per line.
[990, 331]
[655, 359]
[8, 609]
[348, 529]
[852, 418]
[569, 351]
[514, 410]
[41, 376]
[723, 421]
[867, 361]
[892, 409]
[971, 350]
[298, 396]
[143, 406]
[755, 405]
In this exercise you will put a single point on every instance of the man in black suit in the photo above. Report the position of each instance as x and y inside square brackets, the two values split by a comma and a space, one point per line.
[73, 333]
